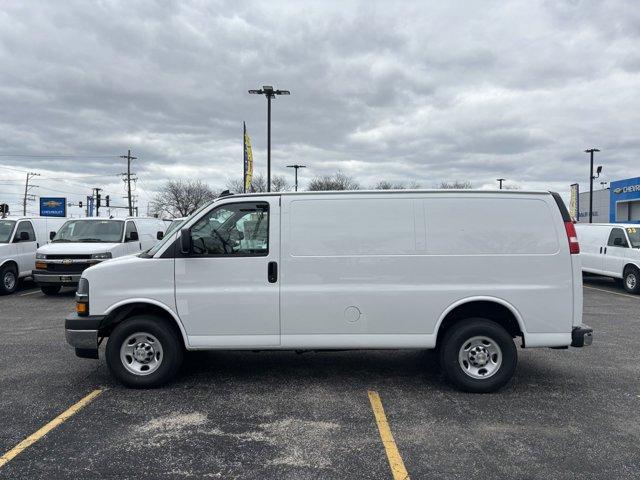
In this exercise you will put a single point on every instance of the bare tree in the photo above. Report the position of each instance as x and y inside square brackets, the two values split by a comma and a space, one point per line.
[386, 185]
[337, 181]
[178, 198]
[259, 184]
[457, 185]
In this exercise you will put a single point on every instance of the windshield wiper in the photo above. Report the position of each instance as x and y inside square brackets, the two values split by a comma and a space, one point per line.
[56, 240]
[90, 240]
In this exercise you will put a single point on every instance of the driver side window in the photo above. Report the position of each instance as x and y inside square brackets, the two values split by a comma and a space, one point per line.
[617, 238]
[28, 229]
[240, 229]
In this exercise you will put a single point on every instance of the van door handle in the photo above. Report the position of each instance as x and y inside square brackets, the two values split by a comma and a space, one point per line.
[600, 249]
[605, 250]
[272, 272]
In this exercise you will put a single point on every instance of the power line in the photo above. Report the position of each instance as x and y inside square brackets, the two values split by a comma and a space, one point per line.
[27, 155]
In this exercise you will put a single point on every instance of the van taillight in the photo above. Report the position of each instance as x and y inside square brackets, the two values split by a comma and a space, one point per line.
[574, 246]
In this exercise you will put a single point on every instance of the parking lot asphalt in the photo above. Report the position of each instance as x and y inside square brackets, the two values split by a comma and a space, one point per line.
[566, 414]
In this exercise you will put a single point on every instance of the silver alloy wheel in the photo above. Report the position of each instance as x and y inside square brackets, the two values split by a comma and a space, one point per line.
[9, 280]
[141, 353]
[631, 280]
[480, 357]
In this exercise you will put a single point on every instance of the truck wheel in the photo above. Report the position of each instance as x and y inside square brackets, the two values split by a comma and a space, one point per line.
[631, 280]
[8, 279]
[50, 289]
[478, 355]
[144, 352]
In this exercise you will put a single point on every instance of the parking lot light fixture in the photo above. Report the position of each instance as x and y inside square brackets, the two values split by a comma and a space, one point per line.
[296, 167]
[269, 92]
[591, 178]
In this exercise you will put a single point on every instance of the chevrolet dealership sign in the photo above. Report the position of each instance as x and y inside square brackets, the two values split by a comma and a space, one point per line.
[627, 189]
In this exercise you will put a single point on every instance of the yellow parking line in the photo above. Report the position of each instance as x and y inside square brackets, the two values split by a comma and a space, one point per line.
[395, 460]
[613, 293]
[60, 419]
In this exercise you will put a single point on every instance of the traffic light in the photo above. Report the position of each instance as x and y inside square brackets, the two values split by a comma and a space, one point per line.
[98, 205]
[80, 204]
[106, 199]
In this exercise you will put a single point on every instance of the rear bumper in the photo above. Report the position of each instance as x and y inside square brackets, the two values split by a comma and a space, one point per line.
[581, 336]
[82, 334]
[44, 278]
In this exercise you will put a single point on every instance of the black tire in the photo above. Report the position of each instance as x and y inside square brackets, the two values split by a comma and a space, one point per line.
[50, 289]
[168, 339]
[460, 334]
[8, 279]
[631, 280]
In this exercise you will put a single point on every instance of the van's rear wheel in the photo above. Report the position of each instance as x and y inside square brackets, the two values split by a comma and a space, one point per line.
[631, 280]
[8, 279]
[50, 289]
[144, 352]
[478, 355]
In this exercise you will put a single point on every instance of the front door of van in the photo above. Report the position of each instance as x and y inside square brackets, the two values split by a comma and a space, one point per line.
[615, 257]
[25, 249]
[227, 288]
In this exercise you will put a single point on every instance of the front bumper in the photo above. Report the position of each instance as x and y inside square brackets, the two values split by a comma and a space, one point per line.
[581, 336]
[43, 277]
[82, 334]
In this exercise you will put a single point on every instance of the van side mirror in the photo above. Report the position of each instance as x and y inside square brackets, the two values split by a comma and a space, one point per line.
[133, 237]
[185, 241]
[52, 235]
[160, 235]
[24, 236]
[619, 242]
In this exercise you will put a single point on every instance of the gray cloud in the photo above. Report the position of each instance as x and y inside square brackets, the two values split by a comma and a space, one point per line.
[414, 91]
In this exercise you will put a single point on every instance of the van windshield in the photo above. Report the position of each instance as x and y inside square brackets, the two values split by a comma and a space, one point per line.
[90, 231]
[634, 236]
[6, 227]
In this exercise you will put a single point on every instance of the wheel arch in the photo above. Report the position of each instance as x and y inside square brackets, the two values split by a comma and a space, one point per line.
[492, 308]
[629, 265]
[12, 262]
[120, 311]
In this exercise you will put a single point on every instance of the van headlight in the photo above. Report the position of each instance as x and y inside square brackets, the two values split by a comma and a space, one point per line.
[40, 256]
[101, 256]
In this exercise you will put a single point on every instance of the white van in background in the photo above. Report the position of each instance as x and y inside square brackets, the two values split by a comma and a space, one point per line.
[83, 242]
[462, 271]
[20, 237]
[612, 250]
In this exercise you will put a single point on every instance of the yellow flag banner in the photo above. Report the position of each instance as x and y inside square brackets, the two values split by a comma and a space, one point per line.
[248, 161]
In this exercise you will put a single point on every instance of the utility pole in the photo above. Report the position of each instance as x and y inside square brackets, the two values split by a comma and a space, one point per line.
[128, 179]
[269, 92]
[500, 180]
[296, 167]
[97, 196]
[28, 187]
[591, 177]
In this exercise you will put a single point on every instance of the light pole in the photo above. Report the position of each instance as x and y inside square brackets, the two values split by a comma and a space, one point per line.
[591, 177]
[296, 167]
[500, 180]
[269, 92]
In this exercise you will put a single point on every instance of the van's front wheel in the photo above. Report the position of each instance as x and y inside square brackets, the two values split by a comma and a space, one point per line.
[631, 280]
[144, 352]
[478, 355]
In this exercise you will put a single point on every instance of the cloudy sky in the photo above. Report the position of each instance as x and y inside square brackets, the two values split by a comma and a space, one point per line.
[401, 91]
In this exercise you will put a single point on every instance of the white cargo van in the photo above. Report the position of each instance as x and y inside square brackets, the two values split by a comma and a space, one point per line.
[83, 242]
[20, 237]
[462, 271]
[612, 250]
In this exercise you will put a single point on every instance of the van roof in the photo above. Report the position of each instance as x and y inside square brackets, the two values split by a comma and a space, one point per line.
[361, 192]
[114, 219]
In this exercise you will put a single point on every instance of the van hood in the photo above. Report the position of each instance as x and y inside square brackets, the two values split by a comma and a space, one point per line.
[76, 248]
[118, 262]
